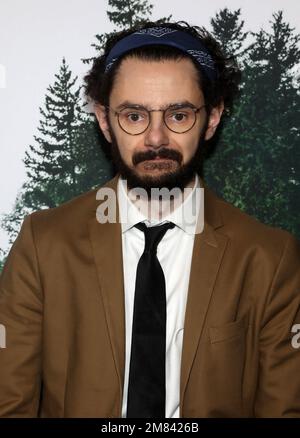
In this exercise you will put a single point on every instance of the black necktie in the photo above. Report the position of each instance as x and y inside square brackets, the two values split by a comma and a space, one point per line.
[146, 385]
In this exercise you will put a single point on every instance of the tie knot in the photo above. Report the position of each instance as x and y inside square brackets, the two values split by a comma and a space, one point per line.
[153, 235]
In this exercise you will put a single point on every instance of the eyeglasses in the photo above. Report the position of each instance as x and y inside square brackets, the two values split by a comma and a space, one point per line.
[135, 119]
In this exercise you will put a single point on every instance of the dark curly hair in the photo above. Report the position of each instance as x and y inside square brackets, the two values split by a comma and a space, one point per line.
[98, 85]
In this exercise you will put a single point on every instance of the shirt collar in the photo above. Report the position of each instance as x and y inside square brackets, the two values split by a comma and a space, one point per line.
[184, 216]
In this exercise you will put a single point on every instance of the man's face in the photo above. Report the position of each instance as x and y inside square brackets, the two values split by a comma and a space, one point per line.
[157, 157]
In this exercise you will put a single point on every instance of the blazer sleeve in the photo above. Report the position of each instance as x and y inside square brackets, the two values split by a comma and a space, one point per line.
[278, 390]
[21, 306]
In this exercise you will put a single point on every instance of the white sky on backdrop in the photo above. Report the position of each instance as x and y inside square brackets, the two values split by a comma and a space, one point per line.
[35, 37]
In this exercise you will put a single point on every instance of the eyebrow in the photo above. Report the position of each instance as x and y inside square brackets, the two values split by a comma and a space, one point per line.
[128, 103]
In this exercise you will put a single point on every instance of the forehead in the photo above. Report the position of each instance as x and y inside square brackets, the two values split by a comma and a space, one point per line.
[156, 82]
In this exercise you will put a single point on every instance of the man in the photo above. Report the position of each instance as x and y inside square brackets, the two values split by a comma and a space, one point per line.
[153, 313]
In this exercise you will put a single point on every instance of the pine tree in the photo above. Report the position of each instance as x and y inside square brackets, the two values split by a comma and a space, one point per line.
[275, 96]
[51, 164]
[259, 166]
[65, 161]
[126, 13]
[228, 29]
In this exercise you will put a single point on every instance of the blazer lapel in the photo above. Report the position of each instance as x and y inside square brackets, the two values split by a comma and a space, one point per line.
[208, 250]
[106, 241]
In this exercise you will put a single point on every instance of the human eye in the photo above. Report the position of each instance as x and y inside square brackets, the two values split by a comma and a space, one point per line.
[179, 115]
[133, 115]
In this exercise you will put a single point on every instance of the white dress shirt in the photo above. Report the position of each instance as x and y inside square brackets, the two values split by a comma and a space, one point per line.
[174, 254]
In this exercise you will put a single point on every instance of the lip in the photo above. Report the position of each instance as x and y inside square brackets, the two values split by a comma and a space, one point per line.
[160, 159]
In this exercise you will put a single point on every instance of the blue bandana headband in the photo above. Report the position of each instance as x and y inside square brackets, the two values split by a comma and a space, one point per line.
[168, 37]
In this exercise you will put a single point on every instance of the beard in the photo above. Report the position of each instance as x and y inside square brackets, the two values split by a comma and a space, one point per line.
[179, 177]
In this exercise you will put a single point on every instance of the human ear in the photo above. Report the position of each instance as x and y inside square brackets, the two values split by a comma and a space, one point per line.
[214, 120]
[101, 115]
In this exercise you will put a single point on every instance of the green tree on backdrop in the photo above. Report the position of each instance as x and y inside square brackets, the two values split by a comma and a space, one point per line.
[126, 13]
[256, 165]
[63, 161]
[228, 29]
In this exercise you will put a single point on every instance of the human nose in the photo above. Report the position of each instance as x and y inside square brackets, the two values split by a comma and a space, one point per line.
[157, 131]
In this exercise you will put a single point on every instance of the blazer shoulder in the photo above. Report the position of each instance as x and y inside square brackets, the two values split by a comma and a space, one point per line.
[246, 229]
[69, 217]
[75, 208]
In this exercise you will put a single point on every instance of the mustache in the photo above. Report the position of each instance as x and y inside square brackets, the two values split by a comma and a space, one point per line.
[172, 154]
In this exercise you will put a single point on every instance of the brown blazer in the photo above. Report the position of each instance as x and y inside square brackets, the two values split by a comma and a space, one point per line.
[62, 304]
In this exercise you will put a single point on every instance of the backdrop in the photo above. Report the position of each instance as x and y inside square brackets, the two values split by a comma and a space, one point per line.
[50, 145]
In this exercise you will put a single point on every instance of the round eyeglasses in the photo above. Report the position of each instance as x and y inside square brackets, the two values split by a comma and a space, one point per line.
[135, 120]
